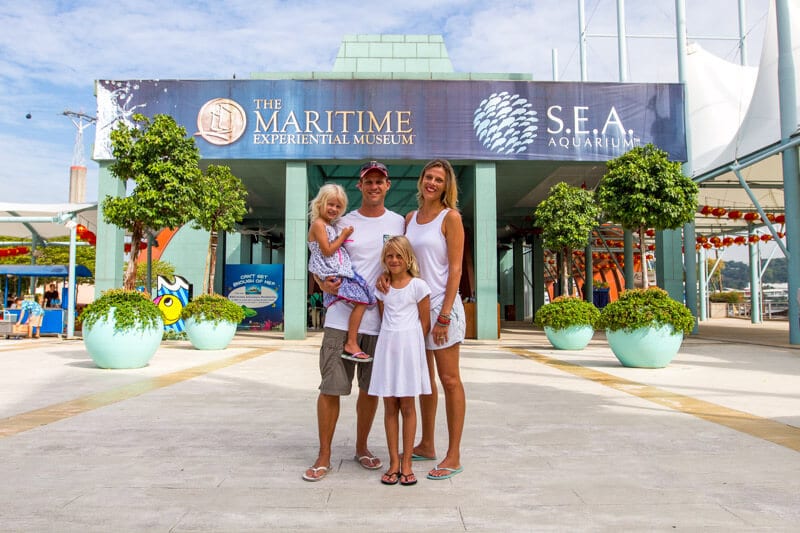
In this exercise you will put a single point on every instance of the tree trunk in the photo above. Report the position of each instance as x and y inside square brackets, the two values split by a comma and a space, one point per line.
[130, 272]
[643, 256]
[211, 264]
[563, 270]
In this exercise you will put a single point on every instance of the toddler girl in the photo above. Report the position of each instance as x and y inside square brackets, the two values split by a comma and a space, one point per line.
[328, 258]
[400, 371]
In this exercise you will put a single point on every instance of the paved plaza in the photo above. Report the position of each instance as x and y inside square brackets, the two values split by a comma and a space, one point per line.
[554, 440]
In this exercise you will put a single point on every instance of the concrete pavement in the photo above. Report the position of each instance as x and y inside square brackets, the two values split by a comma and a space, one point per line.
[554, 440]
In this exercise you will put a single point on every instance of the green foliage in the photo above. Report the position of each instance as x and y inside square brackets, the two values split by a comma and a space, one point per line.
[644, 189]
[223, 202]
[567, 216]
[731, 297]
[163, 164]
[639, 308]
[131, 309]
[53, 254]
[213, 308]
[157, 268]
[566, 311]
[221, 205]
[171, 335]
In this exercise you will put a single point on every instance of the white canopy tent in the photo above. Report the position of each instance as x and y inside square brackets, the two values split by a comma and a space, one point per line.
[735, 123]
[41, 222]
[739, 133]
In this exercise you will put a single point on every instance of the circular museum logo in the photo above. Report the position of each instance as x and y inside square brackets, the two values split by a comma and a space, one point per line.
[221, 121]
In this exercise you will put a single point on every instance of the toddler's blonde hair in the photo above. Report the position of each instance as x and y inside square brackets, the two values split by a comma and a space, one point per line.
[401, 245]
[325, 192]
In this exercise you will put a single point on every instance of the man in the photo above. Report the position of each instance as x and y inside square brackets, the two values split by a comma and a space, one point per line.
[372, 224]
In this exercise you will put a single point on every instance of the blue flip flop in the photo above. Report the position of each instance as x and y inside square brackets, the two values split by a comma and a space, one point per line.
[450, 472]
[415, 457]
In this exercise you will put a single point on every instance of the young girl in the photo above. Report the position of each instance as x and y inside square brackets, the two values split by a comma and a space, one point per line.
[400, 370]
[328, 258]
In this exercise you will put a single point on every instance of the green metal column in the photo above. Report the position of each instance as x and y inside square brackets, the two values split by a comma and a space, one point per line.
[669, 262]
[485, 248]
[110, 259]
[790, 163]
[537, 264]
[519, 280]
[295, 273]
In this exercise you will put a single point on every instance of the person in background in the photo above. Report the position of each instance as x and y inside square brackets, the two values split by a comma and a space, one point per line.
[31, 314]
[51, 296]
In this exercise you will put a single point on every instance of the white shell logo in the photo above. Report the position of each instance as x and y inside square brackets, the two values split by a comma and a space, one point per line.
[505, 123]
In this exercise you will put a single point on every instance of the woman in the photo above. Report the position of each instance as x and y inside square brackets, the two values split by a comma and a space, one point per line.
[436, 233]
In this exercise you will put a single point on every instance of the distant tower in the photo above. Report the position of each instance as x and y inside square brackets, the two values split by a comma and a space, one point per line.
[77, 172]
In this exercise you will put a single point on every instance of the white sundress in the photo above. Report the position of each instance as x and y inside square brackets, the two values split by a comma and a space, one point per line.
[400, 368]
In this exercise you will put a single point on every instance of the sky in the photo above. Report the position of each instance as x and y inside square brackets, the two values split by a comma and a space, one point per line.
[52, 51]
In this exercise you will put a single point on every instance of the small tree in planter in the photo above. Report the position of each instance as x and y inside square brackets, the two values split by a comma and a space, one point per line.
[211, 320]
[567, 217]
[121, 329]
[643, 189]
[568, 322]
[221, 206]
[162, 164]
[645, 327]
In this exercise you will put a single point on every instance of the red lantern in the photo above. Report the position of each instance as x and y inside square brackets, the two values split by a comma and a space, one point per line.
[701, 239]
[707, 245]
[740, 239]
[651, 247]
[706, 210]
[781, 234]
[750, 216]
[718, 211]
[753, 239]
[780, 219]
[727, 241]
[766, 237]
[734, 214]
[715, 240]
[650, 232]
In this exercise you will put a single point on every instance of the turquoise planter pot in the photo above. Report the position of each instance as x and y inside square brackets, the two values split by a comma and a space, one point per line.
[645, 347]
[571, 338]
[113, 348]
[206, 335]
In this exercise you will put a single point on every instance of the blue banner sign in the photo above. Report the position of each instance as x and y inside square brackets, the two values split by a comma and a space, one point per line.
[259, 290]
[404, 119]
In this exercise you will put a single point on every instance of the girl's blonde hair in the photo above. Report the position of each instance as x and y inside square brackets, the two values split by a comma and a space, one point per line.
[401, 245]
[450, 195]
[325, 192]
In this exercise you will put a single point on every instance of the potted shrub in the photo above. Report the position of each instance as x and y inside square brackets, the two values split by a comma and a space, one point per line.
[568, 322]
[645, 327]
[121, 329]
[210, 321]
[567, 217]
[643, 189]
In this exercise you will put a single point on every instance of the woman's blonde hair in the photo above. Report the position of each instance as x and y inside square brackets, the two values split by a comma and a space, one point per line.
[401, 245]
[325, 192]
[450, 195]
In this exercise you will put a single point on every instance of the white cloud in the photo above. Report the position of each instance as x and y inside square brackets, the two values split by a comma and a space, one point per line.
[51, 51]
